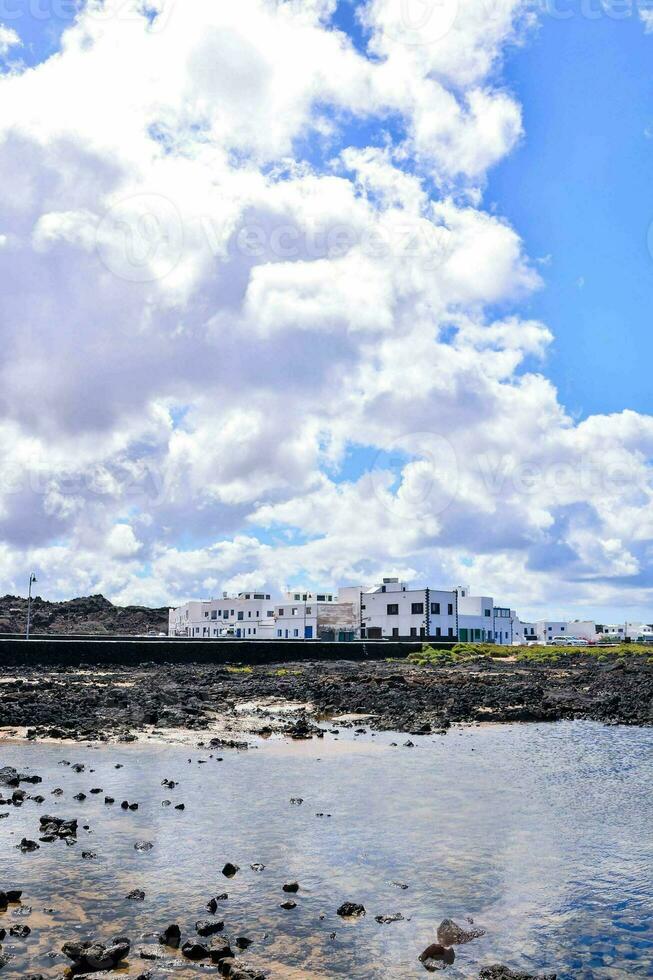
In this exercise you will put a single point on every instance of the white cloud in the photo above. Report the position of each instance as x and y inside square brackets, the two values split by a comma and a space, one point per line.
[8, 39]
[240, 331]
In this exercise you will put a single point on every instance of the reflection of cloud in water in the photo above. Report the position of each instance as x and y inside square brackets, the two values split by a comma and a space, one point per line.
[534, 831]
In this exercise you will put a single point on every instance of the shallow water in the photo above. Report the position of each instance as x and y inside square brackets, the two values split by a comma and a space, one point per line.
[540, 833]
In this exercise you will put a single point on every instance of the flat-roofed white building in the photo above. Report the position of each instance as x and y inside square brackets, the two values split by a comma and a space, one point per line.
[312, 618]
[247, 615]
[392, 610]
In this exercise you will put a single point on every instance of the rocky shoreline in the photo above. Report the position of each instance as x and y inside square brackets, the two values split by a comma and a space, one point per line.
[98, 703]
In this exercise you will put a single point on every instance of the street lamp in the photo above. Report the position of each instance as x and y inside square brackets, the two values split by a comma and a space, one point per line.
[32, 579]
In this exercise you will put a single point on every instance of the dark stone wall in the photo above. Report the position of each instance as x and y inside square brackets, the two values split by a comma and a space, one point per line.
[130, 652]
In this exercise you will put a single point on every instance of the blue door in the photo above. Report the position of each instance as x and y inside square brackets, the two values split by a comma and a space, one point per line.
[308, 632]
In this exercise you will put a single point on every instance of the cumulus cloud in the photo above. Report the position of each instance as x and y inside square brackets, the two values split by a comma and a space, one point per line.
[258, 327]
[8, 39]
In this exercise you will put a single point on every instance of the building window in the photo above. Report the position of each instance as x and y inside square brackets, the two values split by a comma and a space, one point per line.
[214, 614]
[241, 615]
[296, 596]
[295, 632]
[395, 631]
[450, 609]
[392, 609]
[435, 608]
[320, 598]
[279, 632]
[206, 615]
[450, 631]
[281, 612]
[417, 608]
[413, 631]
[254, 631]
[562, 629]
[422, 631]
[225, 614]
[294, 610]
[438, 631]
[487, 612]
[309, 610]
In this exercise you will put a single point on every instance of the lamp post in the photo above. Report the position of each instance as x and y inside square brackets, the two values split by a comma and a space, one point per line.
[32, 579]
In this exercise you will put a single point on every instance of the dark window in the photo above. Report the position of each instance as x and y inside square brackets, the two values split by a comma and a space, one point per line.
[392, 609]
[320, 598]
[413, 631]
[435, 608]
[281, 612]
[450, 631]
[225, 614]
[487, 612]
[438, 631]
[417, 608]
[214, 614]
[450, 608]
[562, 629]
[241, 615]
[422, 631]
[395, 631]
[383, 588]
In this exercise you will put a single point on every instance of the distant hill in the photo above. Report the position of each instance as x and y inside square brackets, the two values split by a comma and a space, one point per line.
[88, 614]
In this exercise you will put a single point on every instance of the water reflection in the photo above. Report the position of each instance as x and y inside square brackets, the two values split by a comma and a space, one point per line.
[538, 834]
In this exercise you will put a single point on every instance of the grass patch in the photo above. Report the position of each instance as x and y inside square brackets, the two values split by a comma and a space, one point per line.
[240, 670]
[460, 652]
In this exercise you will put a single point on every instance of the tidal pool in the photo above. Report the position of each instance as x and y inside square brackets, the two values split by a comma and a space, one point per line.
[542, 834]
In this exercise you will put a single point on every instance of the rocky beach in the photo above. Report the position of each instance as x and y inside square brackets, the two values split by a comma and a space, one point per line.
[321, 819]
[100, 701]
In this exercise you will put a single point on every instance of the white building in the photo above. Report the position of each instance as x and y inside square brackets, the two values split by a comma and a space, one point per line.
[547, 629]
[522, 631]
[635, 632]
[247, 615]
[315, 615]
[392, 610]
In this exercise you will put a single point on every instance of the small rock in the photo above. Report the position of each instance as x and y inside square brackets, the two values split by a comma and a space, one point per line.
[350, 910]
[193, 950]
[212, 904]
[436, 957]
[136, 895]
[451, 934]
[171, 936]
[291, 887]
[385, 919]
[288, 905]
[230, 870]
[143, 845]
[207, 928]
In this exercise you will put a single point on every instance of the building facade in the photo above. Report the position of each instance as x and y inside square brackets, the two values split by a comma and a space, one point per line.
[247, 615]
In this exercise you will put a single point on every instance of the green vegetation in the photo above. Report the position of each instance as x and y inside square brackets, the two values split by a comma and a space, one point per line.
[240, 670]
[460, 652]
[285, 672]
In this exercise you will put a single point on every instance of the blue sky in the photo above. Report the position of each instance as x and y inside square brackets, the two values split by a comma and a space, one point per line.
[578, 189]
